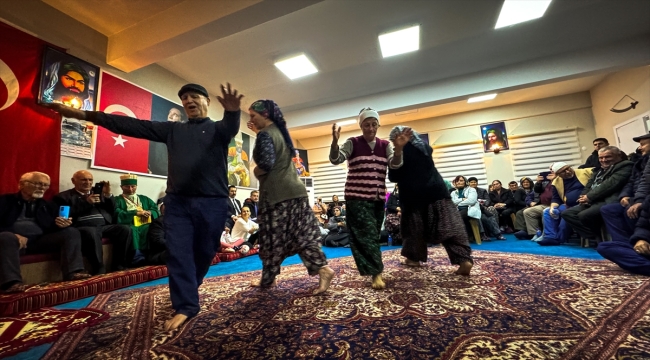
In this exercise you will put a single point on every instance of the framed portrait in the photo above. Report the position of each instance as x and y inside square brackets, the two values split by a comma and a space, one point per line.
[68, 80]
[301, 162]
[494, 137]
[240, 161]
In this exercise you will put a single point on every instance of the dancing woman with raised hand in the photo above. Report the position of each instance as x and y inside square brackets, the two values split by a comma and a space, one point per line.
[428, 213]
[365, 189]
[287, 222]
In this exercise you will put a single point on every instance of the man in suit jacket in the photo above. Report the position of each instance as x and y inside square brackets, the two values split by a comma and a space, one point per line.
[92, 214]
[29, 224]
[234, 206]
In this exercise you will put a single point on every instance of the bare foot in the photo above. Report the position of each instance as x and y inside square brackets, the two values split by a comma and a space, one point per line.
[412, 263]
[175, 322]
[464, 269]
[377, 282]
[258, 283]
[326, 274]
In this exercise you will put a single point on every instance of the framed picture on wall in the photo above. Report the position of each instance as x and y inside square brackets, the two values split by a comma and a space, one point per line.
[68, 80]
[494, 137]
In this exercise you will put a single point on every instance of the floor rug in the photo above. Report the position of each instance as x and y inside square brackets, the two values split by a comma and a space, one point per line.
[514, 306]
[21, 332]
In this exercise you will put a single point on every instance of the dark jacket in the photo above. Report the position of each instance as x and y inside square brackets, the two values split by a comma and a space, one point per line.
[636, 188]
[231, 208]
[11, 205]
[420, 183]
[519, 197]
[80, 207]
[543, 192]
[505, 197]
[642, 228]
[592, 161]
[197, 150]
[483, 194]
[393, 203]
[613, 181]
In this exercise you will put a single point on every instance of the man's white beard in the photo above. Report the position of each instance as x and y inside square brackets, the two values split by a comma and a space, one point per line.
[38, 194]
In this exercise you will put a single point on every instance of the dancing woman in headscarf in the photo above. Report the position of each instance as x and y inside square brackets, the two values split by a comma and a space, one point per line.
[428, 214]
[365, 189]
[287, 223]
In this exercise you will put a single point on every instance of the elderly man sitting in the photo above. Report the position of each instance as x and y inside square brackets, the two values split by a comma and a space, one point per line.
[137, 211]
[566, 188]
[603, 188]
[29, 224]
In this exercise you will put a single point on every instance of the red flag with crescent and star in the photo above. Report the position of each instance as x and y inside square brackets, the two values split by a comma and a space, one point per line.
[115, 151]
[29, 133]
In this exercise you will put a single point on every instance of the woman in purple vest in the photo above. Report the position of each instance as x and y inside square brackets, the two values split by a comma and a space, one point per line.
[428, 213]
[365, 189]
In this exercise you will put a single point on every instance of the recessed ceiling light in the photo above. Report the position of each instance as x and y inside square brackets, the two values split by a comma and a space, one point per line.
[481, 98]
[518, 11]
[347, 122]
[400, 42]
[296, 67]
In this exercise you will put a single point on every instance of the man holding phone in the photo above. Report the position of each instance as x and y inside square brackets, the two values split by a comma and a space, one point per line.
[92, 208]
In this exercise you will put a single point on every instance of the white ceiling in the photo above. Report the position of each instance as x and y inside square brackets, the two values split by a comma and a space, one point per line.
[209, 42]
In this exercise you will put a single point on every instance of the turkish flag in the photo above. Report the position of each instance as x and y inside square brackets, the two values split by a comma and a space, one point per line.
[29, 133]
[119, 152]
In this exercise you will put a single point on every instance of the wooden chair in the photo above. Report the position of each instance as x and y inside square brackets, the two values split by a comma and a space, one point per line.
[514, 220]
[477, 234]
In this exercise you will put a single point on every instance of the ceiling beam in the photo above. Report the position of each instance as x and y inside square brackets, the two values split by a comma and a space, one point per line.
[186, 26]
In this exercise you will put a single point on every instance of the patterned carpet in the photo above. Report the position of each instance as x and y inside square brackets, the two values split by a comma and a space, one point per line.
[513, 307]
[23, 331]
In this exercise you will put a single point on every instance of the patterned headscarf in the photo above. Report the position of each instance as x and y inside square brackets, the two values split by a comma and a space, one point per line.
[270, 110]
[415, 139]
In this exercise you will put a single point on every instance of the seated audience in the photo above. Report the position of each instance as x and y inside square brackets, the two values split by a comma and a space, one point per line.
[137, 212]
[489, 225]
[620, 218]
[29, 224]
[320, 210]
[523, 196]
[157, 254]
[335, 202]
[243, 229]
[92, 214]
[567, 186]
[339, 235]
[253, 203]
[231, 244]
[603, 188]
[592, 160]
[631, 254]
[234, 206]
[543, 194]
[393, 216]
[464, 197]
[504, 203]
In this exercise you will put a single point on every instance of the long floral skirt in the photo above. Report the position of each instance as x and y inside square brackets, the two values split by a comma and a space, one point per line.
[288, 228]
[437, 223]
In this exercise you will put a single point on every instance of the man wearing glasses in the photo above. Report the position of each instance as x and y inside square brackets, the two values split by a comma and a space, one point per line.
[29, 224]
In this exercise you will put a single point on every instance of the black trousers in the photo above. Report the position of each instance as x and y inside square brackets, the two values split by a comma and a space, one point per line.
[91, 246]
[67, 241]
[504, 217]
[585, 220]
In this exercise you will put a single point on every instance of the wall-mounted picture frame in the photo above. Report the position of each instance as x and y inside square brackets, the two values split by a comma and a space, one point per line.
[495, 137]
[68, 80]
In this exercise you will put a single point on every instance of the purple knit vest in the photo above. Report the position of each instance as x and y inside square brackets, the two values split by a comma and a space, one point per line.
[366, 170]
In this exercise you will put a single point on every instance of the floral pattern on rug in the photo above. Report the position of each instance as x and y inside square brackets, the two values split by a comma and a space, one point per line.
[514, 306]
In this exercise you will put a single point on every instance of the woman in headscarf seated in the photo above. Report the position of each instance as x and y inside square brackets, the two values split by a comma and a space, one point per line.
[243, 229]
[466, 199]
[339, 235]
[393, 214]
[428, 214]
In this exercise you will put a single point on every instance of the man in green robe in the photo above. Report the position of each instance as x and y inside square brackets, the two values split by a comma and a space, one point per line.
[137, 211]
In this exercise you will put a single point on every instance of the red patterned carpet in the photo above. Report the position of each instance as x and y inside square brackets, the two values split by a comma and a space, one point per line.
[513, 307]
[21, 332]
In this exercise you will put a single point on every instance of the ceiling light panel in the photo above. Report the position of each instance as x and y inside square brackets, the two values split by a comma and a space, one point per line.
[518, 11]
[296, 67]
[347, 122]
[400, 42]
[481, 98]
